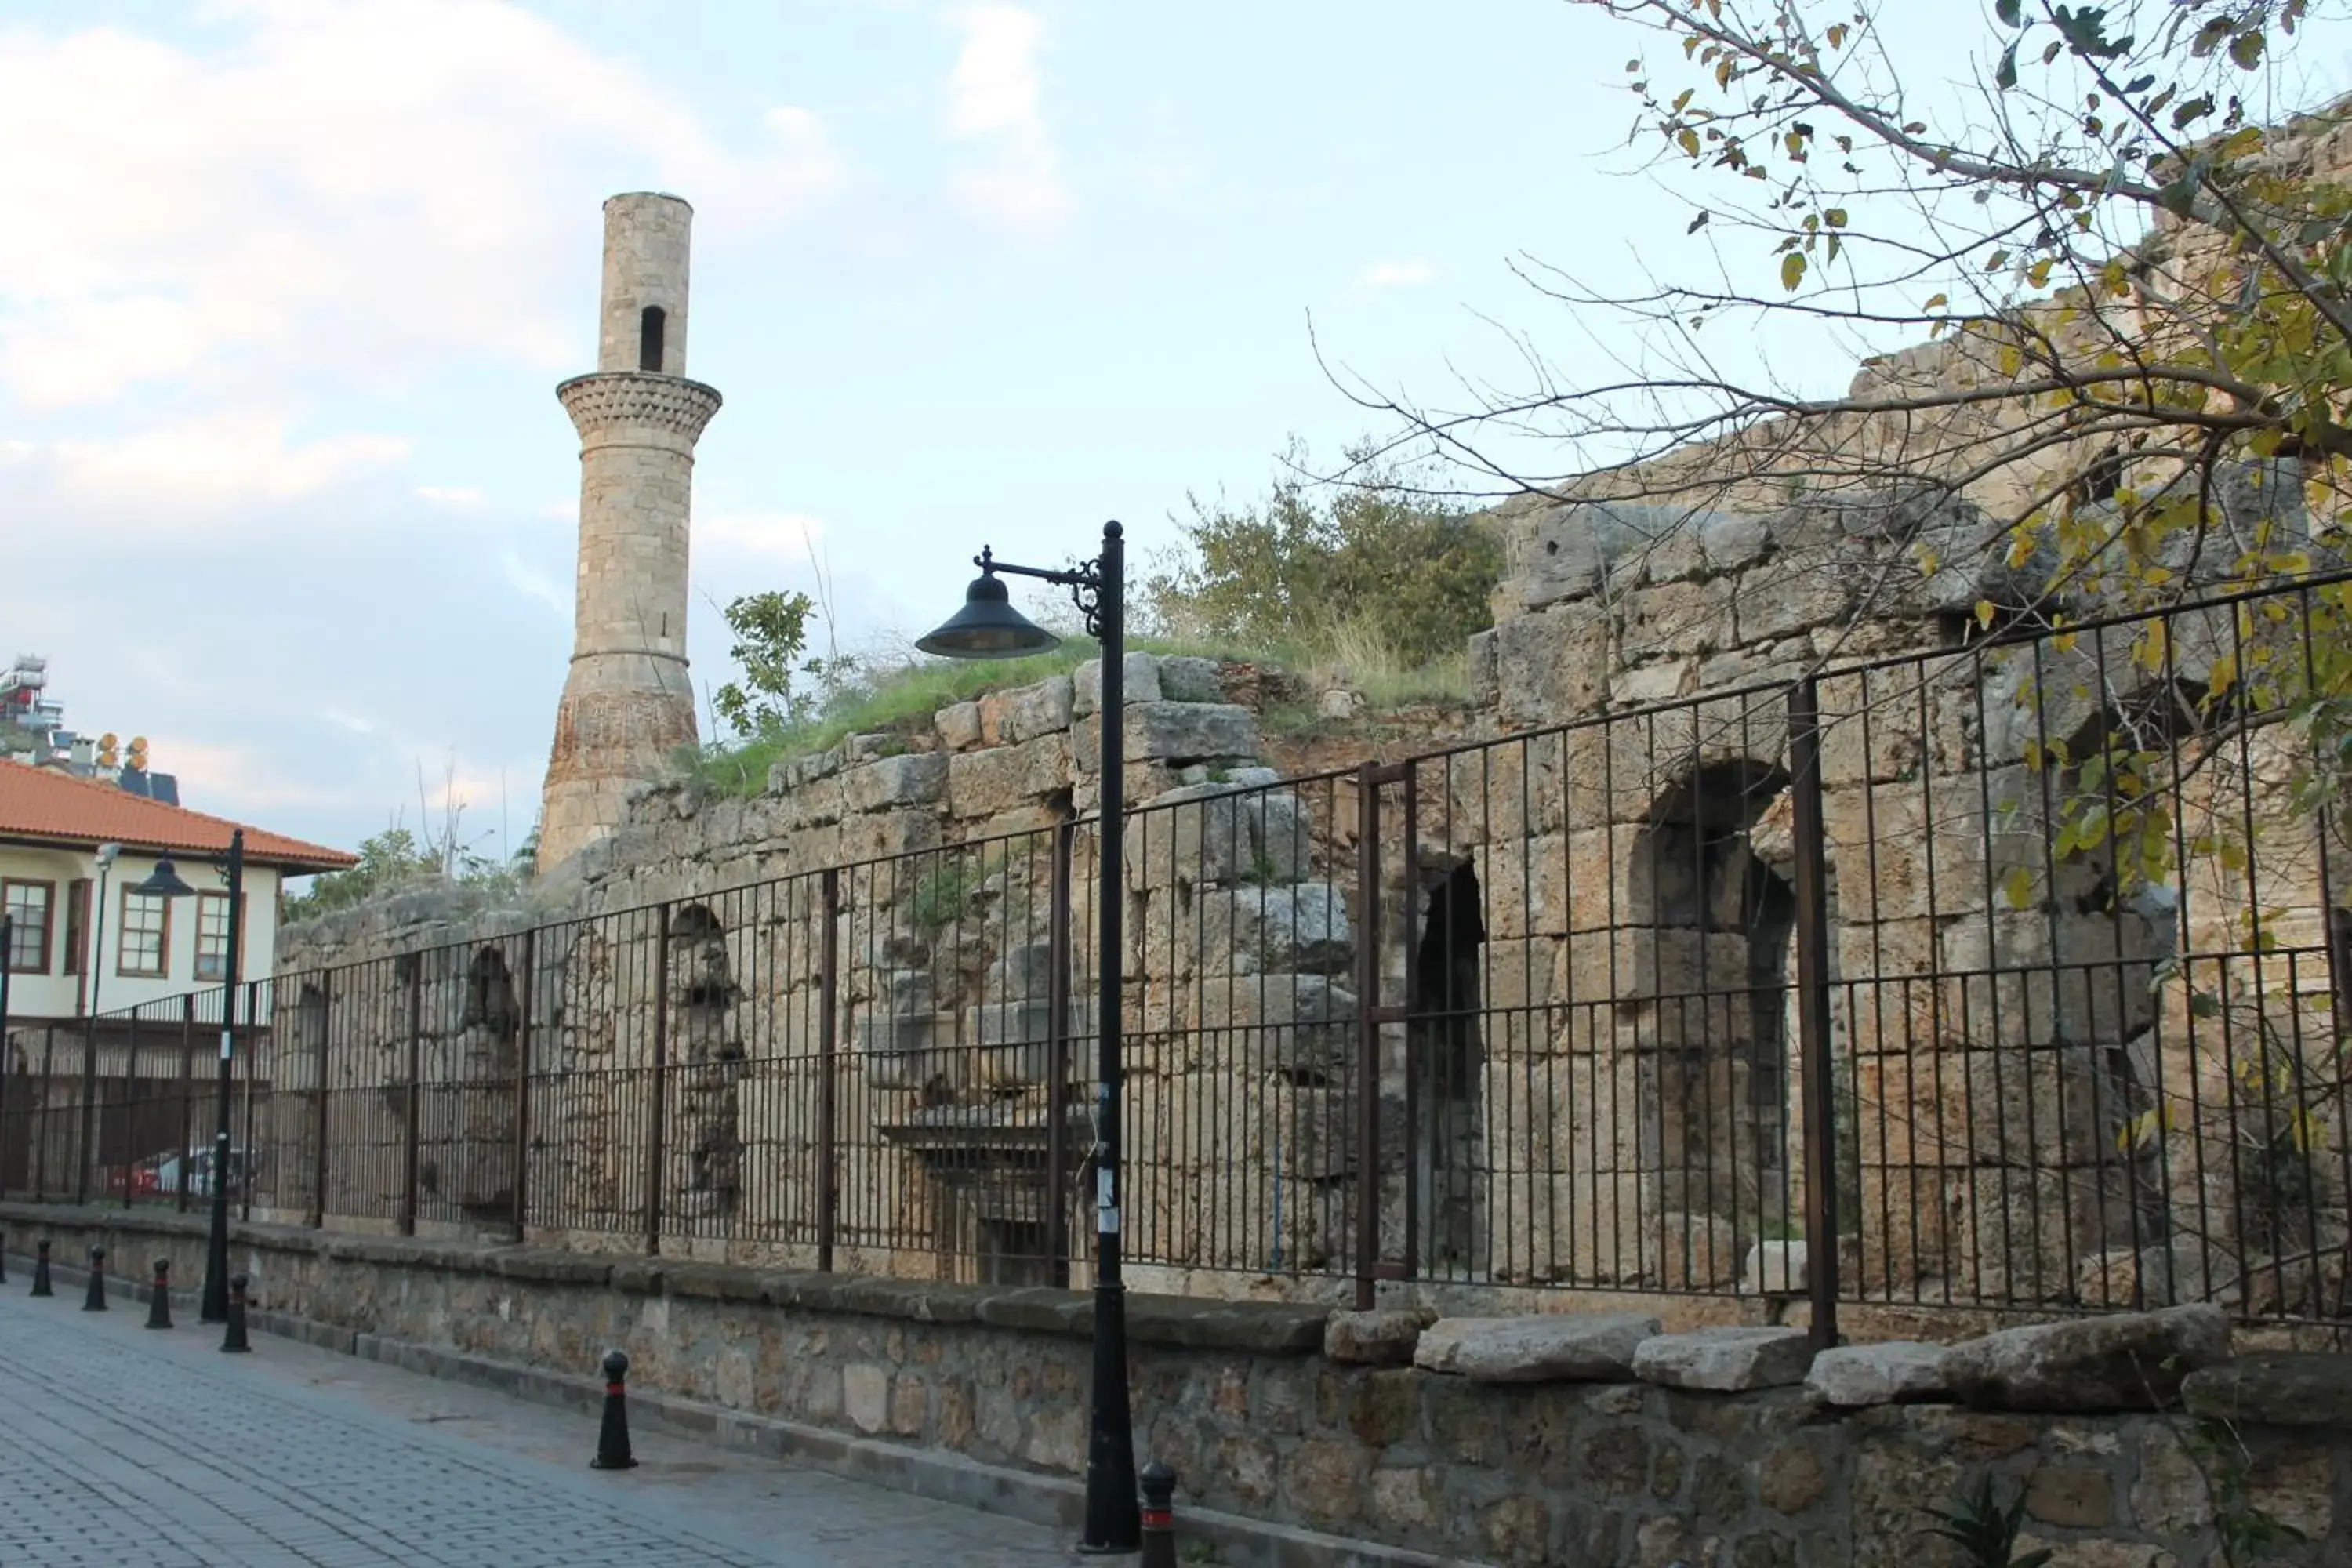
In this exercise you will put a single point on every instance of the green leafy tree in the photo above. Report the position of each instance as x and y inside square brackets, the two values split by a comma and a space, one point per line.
[2129, 268]
[393, 859]
[2110, 283]
[1311, 562]
[771, 631]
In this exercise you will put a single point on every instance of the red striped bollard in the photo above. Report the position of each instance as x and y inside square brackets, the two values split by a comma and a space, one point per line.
[159, 1297]
[1159, 1516]
[613, 1436]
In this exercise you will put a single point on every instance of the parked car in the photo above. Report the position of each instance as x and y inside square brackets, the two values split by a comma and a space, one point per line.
[160, 1177]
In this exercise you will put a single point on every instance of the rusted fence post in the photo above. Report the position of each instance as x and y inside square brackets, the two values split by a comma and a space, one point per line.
[7, 1051]
[1057, 1054]
[187, 1100]
[319, 1128]
[253, 1034]
[413, 1134]
[522, 1183]
[41, 1133]
[87, 1153]
[1367, 1034]
[655, 1156]
[828, 1046]
[1820, 1095]
[130, 1106]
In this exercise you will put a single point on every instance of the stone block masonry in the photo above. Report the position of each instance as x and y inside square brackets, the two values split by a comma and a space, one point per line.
[1295, 1452]
[627, 704]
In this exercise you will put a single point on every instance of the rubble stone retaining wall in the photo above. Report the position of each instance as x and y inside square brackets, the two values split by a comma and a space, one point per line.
[1262, 1424]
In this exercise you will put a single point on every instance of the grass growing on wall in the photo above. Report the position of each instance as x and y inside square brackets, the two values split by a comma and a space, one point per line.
[903, 699]
[1366, 579]
[900, 700]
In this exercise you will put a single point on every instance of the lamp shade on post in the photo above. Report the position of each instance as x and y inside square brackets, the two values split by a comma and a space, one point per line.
[164, 882]
[988, 626]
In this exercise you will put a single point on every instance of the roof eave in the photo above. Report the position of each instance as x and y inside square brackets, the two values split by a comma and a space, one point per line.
[298, 865]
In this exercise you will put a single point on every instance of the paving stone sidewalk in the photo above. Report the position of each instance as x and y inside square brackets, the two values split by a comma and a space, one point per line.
[120, 1444]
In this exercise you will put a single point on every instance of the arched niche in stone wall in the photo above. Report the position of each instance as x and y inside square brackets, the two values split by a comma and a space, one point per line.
[706, 1050]
[1701, 977]
[479, 1173]
[2193, 1003]
[1448, 1059]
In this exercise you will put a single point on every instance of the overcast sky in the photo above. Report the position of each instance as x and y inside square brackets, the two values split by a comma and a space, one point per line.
[286, 287]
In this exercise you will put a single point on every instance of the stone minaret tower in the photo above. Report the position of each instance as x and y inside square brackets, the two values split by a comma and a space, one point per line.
[627, 704]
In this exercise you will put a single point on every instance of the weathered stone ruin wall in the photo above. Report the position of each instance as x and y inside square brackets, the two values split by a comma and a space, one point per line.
[2040, 1113]
[697, 931]
[1610, 1096]
[1554, 1438]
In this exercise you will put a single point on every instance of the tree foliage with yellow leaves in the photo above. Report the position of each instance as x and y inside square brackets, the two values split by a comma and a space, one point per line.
[2126, 262]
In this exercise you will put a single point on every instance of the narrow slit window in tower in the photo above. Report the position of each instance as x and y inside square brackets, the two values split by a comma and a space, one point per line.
[649, 338]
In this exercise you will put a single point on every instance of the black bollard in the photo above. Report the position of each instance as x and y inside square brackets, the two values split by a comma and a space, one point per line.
[4, 1258]
[1159, 1484]
[96, 1301]
[41, 1268]
[159, 1299]
[613, 1438]
[235, 1338]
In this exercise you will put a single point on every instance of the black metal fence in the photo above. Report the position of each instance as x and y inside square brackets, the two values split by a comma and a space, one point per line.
[2006, 975]
[123, 1107]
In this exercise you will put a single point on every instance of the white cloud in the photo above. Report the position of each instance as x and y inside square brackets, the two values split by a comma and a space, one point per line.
[1379, 275]
[360, 186]
[450, 495]
[992, 103]
[352, 721]
[535, 584]
[234, 781]
[786, 534]
[151, 480]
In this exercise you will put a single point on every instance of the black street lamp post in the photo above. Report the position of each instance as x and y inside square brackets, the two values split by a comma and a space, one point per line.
[988, 626]
[165, 883]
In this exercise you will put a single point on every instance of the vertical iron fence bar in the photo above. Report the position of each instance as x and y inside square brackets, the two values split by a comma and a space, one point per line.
[828, 1044]
[130, 1103]
[2336, 977]
[414, 1114]
[1813, 1008]
[655, 1156]
[7, 1045]
[187, 1100]
[1433, 1042]
[41, 1133]
[522, 1082]
[318, 1130]
[1367, 1034]
[252, 1038]
[1058, 1057]
[85, 1153]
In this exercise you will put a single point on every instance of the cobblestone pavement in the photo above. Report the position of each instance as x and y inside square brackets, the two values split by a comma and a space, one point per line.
[120, 1445]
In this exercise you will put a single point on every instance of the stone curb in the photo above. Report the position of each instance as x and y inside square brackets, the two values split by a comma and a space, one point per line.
[1252, 1327]
[1055, 1502]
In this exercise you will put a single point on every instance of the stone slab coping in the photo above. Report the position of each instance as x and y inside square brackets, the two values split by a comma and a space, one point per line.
[1055, 1502]
[1193, 1323]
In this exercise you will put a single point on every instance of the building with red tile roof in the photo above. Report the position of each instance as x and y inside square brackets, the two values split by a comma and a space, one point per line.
[48, 807]
[84, 945]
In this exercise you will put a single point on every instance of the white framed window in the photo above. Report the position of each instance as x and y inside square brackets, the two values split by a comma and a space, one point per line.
[146, 943]
[29, 905]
